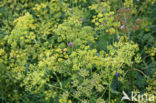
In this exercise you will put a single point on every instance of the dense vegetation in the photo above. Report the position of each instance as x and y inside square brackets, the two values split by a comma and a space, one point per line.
[77, 51]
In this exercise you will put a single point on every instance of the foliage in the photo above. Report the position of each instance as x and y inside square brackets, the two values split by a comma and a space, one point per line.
[76, 51]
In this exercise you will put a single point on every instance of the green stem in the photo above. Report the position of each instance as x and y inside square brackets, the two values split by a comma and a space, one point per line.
[109, 89]
[58, 80]
[131, 78]
[109, 93]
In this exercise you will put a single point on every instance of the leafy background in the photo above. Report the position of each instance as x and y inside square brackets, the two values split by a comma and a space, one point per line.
[76, 51]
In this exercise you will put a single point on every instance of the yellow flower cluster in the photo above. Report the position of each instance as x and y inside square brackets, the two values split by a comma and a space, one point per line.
[151, 51]
[106, 21]
[128, 3]
[21, 30]
[151, 1]
[49, 94]
[2, 52]
[61, 53]
[39, 6]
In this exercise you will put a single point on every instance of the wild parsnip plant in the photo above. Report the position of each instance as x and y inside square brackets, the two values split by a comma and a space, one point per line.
[76, 51]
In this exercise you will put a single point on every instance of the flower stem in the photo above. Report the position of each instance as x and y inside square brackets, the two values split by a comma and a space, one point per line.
[109, 89]
[131, 78]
